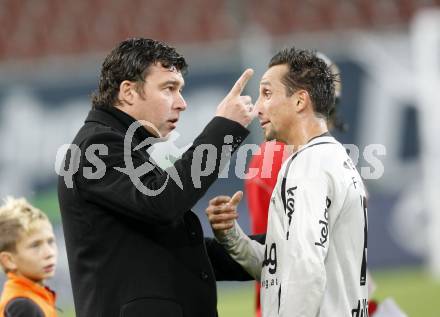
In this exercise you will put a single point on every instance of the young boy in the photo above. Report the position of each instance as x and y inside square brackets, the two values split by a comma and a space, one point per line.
[28, 256]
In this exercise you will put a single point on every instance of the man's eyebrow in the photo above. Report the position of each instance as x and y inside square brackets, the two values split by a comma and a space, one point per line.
[173, 82]
[265, 82]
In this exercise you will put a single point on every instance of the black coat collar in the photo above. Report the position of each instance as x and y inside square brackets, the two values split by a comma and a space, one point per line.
[117, 119]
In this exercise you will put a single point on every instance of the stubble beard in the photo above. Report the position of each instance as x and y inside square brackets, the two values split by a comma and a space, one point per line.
[270, 135]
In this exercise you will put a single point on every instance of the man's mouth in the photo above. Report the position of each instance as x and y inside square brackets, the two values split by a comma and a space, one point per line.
[173, 122]
[263, 123]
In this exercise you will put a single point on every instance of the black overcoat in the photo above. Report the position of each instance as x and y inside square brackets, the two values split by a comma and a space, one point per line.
[131, 253]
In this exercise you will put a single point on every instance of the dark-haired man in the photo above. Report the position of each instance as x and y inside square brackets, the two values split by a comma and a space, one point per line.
[134, 246]
[313, 262]
[268, 163]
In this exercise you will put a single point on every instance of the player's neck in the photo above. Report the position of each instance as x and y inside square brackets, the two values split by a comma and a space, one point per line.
[306, 130]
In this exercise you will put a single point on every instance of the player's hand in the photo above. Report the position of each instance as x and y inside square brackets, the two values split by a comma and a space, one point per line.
[235, 106]
[222, 212]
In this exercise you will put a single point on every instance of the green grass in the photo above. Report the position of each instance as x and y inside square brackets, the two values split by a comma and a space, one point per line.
[236, 299]
[413, 289]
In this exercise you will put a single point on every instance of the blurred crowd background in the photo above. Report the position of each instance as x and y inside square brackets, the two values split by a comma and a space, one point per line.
[388, 52]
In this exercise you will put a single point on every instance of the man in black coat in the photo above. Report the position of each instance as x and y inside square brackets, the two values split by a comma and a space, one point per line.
[134, 246]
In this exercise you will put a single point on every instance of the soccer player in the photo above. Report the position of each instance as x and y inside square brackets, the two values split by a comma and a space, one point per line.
[28, 255]
[268, 163]
[313, 262]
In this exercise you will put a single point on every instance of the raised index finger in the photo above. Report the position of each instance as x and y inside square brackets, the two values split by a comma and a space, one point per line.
[241, 82]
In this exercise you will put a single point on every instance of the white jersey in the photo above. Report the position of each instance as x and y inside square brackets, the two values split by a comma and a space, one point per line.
[314, 260]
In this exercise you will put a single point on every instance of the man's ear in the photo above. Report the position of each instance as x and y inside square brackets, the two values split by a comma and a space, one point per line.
[302, 100]
[7, 261]
[127, 92]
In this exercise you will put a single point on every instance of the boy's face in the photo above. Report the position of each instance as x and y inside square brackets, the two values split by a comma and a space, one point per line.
[35, 256]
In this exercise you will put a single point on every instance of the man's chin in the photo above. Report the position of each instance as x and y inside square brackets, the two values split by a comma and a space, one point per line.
[166, 137]
[268, 136]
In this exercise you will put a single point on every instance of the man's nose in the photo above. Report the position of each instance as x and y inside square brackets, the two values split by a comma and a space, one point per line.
[180, 103]
[259, 107]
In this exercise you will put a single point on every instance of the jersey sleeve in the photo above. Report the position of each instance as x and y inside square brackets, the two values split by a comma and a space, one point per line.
[307, 237]
[245, 251]
[23, 307]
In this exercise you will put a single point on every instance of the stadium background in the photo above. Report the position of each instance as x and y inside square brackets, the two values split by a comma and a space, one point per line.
[50, 55]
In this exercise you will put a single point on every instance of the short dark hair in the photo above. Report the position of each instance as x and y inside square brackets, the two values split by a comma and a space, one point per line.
[130, 60]
[309, 72]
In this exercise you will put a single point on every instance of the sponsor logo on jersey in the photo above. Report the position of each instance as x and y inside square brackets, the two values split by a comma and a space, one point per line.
[290, 206]
[361, 310]
[270, 258]
[269, 283]
[324, 225]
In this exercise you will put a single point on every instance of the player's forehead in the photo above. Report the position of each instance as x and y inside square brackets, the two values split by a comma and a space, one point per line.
[273, 76]
[159, 74]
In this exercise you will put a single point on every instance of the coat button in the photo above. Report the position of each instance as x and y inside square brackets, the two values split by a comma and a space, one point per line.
[204, 275]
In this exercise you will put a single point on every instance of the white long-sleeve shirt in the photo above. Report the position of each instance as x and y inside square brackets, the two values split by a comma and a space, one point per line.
[314, 260]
